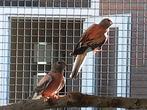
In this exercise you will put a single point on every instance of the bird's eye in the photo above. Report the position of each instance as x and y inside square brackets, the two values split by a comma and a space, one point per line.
[59, 62]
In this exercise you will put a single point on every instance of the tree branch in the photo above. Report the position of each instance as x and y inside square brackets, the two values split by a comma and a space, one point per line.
[77, 99]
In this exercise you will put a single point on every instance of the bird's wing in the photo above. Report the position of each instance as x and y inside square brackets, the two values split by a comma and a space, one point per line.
[61, 85]
[85, 35]
[93, 34]
[43, 83]
[92, 37]
[90, 34]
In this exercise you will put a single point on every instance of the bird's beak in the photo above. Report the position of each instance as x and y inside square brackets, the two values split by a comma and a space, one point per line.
[111, 22]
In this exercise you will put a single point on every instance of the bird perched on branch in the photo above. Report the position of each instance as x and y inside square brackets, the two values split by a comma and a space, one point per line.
[91, 40]
[51, 83]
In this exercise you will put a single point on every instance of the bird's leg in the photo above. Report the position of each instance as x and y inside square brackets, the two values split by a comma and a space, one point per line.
[97, 50]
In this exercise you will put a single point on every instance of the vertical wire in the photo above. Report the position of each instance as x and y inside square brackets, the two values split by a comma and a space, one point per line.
[1, 67]
[59, 57]
[144, 34]
[145, 38]
[38, 38]
[52, 42]
[137, 35]
[129, 76]
[122, 73]
[45, 38]
[102, 7]
[115, 70]
[108, 59]
[9, 55]
[72, 82]
[127, 62]
[59, 35]
[137, 38]
[24, 56]
[31, 56]
[121, 94]
[93, 56]
[82, 28]
[15, 96]
[129, 54]
[81, 25]
[66, 52]
[116, 50]
[94, 78]
[127, 68]
[101, 62]
[23, 53]
[95, 63]
[23, 61]
[31, 48]
[1, 84]
[73, 36]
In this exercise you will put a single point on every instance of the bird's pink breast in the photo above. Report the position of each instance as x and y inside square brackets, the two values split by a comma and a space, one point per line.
[53, 86]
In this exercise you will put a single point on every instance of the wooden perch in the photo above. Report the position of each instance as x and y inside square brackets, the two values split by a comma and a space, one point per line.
[76, 99]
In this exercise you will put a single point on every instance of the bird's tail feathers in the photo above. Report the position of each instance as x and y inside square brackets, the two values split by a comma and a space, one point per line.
[79, 50]
[77, 65]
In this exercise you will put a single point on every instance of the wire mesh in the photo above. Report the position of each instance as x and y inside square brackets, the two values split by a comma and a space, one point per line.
[36, 33]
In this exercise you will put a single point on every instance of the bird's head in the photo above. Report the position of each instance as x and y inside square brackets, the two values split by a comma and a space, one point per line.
[106, 23]
[58, 67]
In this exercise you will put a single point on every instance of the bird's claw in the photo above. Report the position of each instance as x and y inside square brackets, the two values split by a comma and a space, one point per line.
[55, 97]
[45, 99]
[97, 50]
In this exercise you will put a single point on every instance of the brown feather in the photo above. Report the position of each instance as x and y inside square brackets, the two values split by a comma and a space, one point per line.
[94, 37]
[92, 33]
[52, 82]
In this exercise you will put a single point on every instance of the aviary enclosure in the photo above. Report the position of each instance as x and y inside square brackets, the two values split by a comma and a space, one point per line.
[36, 33]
